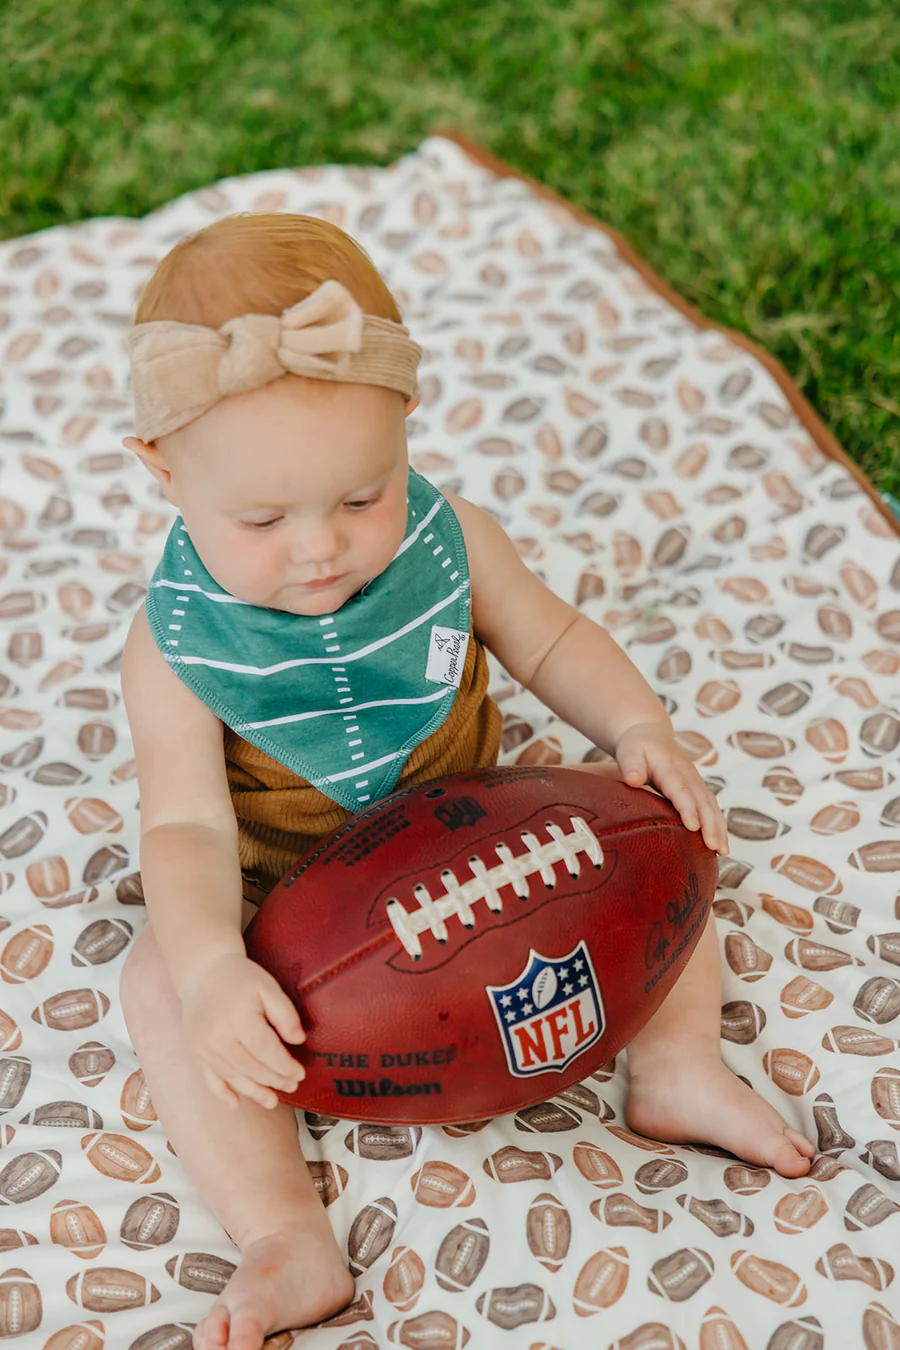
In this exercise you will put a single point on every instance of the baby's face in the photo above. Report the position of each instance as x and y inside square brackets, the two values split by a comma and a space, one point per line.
[298, 482]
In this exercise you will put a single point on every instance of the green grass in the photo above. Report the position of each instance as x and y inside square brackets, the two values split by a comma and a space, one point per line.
[749, 149]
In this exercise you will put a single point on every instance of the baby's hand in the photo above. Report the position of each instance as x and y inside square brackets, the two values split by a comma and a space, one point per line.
[235, 1016]
[649, 752]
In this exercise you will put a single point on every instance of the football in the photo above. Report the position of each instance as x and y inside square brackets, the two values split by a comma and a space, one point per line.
[477, 943]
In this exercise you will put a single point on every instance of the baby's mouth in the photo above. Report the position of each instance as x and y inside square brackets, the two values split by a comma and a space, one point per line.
[322, 582]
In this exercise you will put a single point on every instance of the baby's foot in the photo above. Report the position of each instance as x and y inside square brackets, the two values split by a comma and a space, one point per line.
[692, 1098]
[285, 1280]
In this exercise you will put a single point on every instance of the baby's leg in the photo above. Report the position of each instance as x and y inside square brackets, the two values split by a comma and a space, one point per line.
[680, 1090]
[247, 1163]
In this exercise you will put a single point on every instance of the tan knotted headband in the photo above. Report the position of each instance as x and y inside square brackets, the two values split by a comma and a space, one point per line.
[181, 370]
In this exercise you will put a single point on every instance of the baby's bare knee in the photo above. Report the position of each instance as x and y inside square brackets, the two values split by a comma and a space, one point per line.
[145, 982]
[143, 975]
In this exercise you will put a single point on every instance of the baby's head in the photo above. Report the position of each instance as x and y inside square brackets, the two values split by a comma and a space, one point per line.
[300, 479]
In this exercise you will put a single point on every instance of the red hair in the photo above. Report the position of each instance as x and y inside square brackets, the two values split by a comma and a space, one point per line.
[259, 263]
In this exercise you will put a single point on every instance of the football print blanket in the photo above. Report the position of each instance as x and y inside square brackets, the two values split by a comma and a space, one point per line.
[668, 478]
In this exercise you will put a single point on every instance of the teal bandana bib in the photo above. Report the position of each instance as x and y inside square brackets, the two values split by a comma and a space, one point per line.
[341, 699]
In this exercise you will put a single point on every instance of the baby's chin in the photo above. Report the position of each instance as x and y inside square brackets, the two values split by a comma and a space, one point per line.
[313, 603]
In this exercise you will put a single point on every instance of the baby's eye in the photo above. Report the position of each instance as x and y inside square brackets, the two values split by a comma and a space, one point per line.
[360, 505]
[262, 524]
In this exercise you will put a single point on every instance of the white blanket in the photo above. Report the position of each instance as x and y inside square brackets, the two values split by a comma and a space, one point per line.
[655, 471]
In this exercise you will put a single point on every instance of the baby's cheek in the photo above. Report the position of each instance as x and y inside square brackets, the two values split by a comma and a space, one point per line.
[251, 571]
[374, 547]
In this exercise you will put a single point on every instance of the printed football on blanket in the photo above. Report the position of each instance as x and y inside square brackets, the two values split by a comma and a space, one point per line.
[477, 943]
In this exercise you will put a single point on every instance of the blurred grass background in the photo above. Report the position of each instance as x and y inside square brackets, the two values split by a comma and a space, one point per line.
[749, 151]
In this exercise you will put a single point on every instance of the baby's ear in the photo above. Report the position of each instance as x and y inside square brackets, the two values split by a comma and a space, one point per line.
[152, 458]
[411, 405]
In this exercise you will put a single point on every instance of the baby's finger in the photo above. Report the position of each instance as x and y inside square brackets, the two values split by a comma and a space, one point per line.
[271, 1061]
[672, 785]
[239, 1059]
[283, 1015]
[219, 1088]
[715, 831]
[633, 767]
[719, 827]
[715, 835]
[247, 1087]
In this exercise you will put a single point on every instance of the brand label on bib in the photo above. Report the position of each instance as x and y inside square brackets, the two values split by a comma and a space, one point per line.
[446, 655]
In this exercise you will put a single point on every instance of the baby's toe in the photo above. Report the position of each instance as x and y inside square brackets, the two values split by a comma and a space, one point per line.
[212, 1332]
[800, 1142]
[783, 1152]
[246, 1329]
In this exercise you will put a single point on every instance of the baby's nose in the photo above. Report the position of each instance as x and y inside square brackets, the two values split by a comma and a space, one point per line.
[318, 542]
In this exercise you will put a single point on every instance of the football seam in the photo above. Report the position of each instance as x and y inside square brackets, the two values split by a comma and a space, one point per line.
[486, 884]
[380, 940]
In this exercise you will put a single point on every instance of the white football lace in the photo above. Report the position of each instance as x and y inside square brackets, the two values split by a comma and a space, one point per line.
[485, 882]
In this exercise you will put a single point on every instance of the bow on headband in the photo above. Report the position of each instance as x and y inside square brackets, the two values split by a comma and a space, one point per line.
[181, 370]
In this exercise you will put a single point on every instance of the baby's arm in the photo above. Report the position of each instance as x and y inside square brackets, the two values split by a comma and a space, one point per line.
[579, 671]
[189, 843]
[231, 1007]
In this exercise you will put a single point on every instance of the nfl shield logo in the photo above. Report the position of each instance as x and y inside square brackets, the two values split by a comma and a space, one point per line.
[550, 1014]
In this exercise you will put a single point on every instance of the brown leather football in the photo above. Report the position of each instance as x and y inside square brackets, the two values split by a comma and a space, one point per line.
[479, 942]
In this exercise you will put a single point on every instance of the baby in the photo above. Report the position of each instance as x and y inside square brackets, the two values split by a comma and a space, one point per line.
[272, 378]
